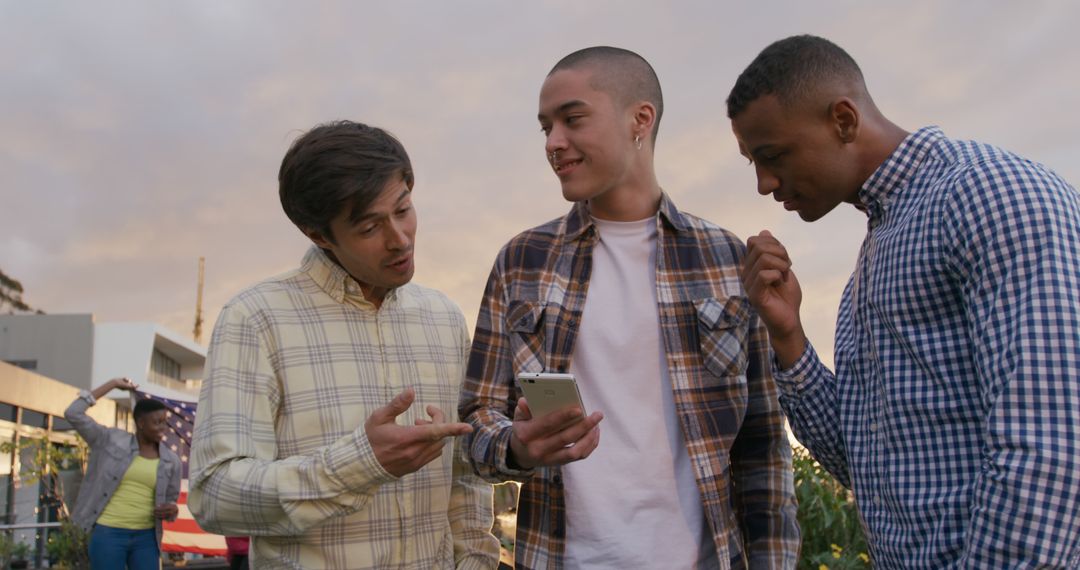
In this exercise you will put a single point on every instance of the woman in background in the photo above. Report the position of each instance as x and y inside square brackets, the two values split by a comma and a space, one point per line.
[131, 484]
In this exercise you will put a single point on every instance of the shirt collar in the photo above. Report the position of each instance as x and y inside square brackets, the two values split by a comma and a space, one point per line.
[894, 174]
[334, 280]
[578, 221]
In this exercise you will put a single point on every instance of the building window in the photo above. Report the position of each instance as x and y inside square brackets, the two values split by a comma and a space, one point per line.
[165, 371]
[30, 365]
[34, 419]
[7, 412]
[60, 424]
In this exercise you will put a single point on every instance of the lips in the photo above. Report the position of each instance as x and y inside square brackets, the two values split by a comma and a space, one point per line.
[563, 166]
[400, 264]
[788, 202]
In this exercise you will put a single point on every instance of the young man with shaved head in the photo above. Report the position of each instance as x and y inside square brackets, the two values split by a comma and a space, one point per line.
[643, 304]
[954, 410]
[323, 430]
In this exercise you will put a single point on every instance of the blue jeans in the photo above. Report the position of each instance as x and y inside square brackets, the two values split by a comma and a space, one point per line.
[118, 548]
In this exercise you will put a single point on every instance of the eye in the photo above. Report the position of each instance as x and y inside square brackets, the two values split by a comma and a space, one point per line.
[773, 157]
[403, 210]
[572, 119]
[366, 230]
[546, 129]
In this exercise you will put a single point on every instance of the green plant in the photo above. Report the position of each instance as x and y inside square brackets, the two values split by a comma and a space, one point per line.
[832, 533]
[42, 460]
[68, 547]
[19, 555]
[6, 546]
[45, 462]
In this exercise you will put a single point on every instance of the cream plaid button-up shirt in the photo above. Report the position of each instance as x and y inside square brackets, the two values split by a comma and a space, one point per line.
[296, 365]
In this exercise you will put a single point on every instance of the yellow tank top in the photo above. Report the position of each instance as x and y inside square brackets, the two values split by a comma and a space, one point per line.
[132, 505]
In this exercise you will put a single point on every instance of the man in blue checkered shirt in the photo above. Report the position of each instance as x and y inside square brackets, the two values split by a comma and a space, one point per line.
[954, 410]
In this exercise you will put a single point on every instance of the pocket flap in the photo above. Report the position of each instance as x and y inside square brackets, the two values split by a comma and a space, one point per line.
[715, 314]
[524, 316]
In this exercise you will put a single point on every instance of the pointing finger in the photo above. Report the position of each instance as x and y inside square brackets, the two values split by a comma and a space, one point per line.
[435, 432]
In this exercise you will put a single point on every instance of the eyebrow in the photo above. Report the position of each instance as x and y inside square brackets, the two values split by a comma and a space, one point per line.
[563, 108]
[371, 215]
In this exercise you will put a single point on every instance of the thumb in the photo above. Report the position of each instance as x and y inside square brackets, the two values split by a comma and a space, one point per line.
[395, 408]
[522, 411]
[765, 233]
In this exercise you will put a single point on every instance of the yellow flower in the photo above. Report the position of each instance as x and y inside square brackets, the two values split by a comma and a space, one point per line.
[863, 556]
[836, 548]
[822, 567]
[836, 554]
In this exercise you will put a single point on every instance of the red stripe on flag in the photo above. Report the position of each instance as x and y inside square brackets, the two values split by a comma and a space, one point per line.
[184, 525]
[185, 535]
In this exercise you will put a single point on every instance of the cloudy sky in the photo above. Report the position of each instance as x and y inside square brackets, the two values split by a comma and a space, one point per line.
[138, 136]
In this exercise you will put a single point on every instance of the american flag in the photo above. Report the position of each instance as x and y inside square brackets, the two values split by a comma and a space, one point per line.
[184, 534]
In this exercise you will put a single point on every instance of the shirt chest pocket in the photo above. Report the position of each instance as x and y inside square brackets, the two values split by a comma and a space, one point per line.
[723, 328]
[525, 326]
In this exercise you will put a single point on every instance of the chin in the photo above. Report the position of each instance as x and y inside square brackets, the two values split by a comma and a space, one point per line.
[571, 194]
[403, 280]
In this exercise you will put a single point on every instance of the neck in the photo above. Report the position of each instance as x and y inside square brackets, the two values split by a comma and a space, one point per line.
[885, 137]
[145, 443]
[636, 199]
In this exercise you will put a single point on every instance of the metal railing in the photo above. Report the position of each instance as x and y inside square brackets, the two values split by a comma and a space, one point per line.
[39, 552]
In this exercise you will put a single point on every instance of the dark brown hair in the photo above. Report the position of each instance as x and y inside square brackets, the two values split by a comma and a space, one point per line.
[338, 166]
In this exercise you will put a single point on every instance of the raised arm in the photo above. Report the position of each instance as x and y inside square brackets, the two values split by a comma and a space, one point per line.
[807, 388]
[87, 427]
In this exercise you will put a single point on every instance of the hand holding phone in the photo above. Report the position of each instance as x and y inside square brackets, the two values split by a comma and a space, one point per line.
[549, 392]
[559, 435]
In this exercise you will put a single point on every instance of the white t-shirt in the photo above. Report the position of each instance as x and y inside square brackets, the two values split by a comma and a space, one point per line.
[634, 502]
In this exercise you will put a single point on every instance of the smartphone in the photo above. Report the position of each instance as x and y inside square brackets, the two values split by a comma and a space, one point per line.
[548, 392]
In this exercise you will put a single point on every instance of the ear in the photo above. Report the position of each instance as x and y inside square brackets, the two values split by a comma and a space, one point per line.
[846, 119]
[643, 119]
[317, 237]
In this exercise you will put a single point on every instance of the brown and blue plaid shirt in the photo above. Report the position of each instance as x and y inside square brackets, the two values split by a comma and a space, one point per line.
[717, 354]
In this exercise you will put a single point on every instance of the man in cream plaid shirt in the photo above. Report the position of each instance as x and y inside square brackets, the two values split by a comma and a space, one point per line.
[308, 439]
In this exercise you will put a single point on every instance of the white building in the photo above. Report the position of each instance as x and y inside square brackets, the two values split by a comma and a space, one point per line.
[47, 359]
[78, 351]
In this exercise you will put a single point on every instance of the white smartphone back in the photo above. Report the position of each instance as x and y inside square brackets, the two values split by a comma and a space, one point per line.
[548, 392]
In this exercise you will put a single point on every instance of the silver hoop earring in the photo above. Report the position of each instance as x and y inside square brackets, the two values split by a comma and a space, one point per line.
[637, 141]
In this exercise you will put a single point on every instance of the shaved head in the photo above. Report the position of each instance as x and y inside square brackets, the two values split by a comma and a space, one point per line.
[622, 74]
[797, 70]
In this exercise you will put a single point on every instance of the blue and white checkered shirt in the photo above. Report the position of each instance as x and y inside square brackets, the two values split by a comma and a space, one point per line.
[954, 412]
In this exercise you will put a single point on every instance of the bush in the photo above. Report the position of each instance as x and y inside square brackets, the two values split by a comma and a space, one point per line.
[67, 547]
[832, 533]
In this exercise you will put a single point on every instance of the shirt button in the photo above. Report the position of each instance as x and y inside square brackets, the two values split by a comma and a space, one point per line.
[873, 427]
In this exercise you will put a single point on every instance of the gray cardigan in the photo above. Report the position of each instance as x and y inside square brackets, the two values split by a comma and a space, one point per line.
[111, 453]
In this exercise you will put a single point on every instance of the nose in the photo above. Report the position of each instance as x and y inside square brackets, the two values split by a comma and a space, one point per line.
[397, 235]
[555, 142]
[767, 183]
